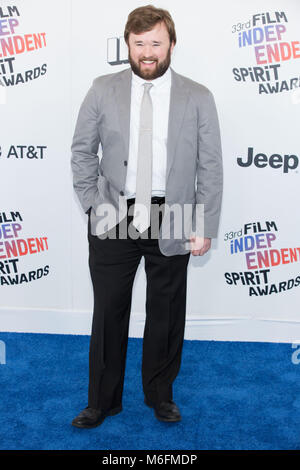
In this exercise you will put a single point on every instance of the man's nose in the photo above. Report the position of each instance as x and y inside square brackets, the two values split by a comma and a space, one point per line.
[148, 51]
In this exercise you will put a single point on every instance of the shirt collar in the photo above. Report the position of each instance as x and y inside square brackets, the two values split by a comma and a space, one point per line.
[157, 82]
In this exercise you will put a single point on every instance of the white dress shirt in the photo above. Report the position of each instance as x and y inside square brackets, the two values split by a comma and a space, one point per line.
[160, 95]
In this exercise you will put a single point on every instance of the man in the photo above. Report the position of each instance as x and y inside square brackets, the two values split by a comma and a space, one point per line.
[160, 144]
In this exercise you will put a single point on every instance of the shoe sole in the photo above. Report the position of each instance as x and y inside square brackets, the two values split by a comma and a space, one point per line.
[112, 412]
[165, 420]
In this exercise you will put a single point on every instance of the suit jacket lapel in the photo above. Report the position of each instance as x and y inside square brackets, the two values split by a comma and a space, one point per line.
[178, 102]
[123, 101]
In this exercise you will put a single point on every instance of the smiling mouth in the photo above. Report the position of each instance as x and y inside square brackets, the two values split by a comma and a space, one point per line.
[148, 62]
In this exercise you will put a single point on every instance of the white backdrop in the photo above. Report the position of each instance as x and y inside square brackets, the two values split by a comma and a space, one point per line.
[48, 288]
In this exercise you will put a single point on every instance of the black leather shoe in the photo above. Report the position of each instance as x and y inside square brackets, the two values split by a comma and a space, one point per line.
[90, 418]
[166, 411]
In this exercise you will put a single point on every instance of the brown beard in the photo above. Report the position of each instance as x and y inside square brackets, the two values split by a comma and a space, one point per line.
[160, 69]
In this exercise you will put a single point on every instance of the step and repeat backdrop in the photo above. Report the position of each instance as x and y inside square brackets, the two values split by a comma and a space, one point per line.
[248, 54]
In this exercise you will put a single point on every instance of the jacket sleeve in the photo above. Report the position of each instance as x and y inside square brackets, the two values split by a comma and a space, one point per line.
[85, 146]
[209, 185]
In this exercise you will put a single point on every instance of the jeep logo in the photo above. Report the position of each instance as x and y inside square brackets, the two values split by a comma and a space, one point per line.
[261, 160]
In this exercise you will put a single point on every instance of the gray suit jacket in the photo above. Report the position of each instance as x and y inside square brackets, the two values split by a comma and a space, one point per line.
[194, 160]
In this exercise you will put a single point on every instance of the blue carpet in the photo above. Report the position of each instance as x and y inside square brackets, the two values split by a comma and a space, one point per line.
[232, 395]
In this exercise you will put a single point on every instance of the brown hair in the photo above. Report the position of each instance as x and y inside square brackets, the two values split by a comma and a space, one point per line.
[145, 18]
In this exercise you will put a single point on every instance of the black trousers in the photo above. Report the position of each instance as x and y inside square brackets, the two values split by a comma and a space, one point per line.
[113, 264]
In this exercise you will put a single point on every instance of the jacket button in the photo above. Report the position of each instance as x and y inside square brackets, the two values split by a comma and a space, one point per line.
[125, 162]
[122, 193]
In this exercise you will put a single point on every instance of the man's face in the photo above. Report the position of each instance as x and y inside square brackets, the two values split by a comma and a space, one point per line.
[150, 52]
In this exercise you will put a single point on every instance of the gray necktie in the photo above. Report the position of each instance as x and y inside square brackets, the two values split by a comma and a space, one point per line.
[144, 164]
